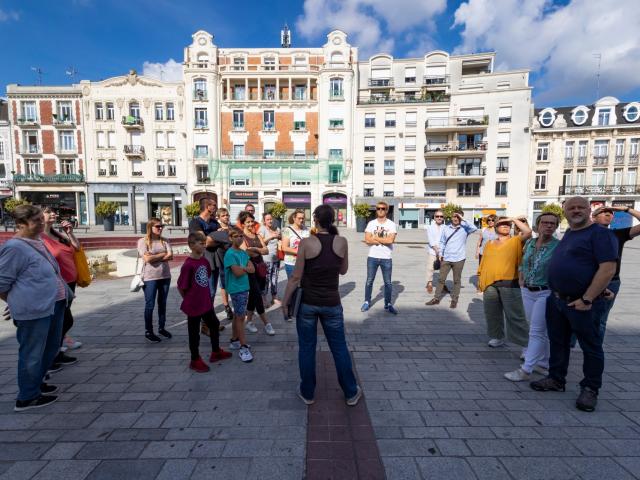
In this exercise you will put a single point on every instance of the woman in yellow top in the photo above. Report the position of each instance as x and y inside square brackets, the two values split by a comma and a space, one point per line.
[499, 282]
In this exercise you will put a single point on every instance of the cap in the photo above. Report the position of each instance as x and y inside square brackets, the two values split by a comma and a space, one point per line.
[602, 209]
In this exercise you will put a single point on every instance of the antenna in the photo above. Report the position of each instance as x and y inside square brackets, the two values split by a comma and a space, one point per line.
[599, 57]
[71, 72]
[39, 72]
[285, 37]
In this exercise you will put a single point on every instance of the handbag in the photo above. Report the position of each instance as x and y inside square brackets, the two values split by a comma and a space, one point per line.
[280, 251]
[294, 303]
[260, 266]
[82, 267]
[136, 282]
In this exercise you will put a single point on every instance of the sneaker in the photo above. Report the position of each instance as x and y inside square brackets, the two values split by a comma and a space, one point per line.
[64, 348]
[587, 400]
[64, 360]
[433, 301]
[496, 342]
[245, 354]
[268, 329]
[234, 344]
[45, 388]
[56, 367]
[164, 333]
[547, 384]
[229, 312]
[198, 365]
[41, 401]
[541, 370]
[518, 375]
[353, 401]
[391, 309]
[306, 400]
[251, 327]
[152, 337]
[219, 355]
[364, 307]
[71, 344]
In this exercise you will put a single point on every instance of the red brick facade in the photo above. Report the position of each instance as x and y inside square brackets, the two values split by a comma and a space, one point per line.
[312, 125]
[46, 117]
[78, 116]
[49, 166]
[47, 141]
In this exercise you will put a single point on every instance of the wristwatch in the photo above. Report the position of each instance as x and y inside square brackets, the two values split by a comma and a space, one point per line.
[585, 301]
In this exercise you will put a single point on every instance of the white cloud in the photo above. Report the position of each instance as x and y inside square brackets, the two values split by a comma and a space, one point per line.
[372, 25]
[170, 71]
[9, 15]
[558, 42]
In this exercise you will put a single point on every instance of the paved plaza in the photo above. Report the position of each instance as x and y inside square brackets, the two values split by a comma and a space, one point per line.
[434, 391]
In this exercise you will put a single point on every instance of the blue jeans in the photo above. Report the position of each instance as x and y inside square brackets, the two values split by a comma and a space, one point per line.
[289, 270]
[614, 286]
[385, 265]
[39, 342]
[153, 288]
[271, 284]
[562, 321]
[332, 321]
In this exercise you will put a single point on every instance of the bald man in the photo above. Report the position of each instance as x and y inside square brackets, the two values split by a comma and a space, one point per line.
[580, 269]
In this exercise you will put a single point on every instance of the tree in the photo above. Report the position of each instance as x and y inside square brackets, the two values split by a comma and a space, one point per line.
[449, 209]
[192, 210]
[554, 208]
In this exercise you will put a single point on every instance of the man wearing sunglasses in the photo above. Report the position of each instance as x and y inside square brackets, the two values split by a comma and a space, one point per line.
[434, 232]
[380, 235]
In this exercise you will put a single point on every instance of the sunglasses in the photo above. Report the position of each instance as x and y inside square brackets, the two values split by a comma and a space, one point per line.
[439, 216]
[381, 208]
[159, 227]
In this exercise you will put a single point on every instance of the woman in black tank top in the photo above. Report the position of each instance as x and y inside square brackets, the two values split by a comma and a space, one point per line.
[318, 274]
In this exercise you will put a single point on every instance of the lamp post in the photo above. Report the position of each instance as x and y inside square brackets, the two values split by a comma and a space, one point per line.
[13, 183]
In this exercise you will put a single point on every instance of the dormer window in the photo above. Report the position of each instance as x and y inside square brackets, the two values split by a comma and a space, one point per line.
[579, 116]
[631, 113]
[547, 118]
[604, 116]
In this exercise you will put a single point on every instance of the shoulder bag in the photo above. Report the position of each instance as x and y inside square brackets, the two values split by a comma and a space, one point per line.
[136, 282]
[436, 262]
[260, 266]
[82, 268]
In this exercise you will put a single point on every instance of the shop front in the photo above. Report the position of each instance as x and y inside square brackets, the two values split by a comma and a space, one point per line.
[298, 200]
[71, 206]
[339, 202]
[238, 200]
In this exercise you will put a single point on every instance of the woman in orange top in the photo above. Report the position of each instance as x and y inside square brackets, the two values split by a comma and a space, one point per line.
[499, 282]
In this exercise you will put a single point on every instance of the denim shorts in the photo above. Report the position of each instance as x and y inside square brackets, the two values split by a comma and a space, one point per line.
[239, 301]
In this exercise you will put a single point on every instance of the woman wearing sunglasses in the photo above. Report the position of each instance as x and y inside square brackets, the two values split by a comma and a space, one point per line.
[488, 234]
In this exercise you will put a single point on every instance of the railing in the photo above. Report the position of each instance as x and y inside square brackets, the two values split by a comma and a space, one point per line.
[470, 193]
[507, 145]
[336, 96]
[300, 126]
[63, 122]
[402, 98]
[24, 121]
[201, 124]
[436, 80]
[131, 121]
[277, 155]
[600, 190]
[200, 153]
[102, 173]
[432, 147]
[600, 160]
[66, 151]
[456, 121]
[568, 162]
[369, 171]
[238, 125]
[31, 150]
[454, 172]
[268, 126]
[633, 159]
[136, 174]
[582, 162]
[203, 180]
[199, 94]
[113, 171]
[502, 169]
[619, 160]
[134, 150]
[381, 82]
[267, 67]
[57, 178]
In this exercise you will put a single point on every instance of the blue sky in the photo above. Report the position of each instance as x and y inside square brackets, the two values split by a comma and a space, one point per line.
[556, 39]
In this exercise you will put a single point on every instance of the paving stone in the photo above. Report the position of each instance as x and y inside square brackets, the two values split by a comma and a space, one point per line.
[445, 468]
[23, 451]
[487, 468]
[539, 468]
[493, 448]
[224, 468]
[111, 450]
[115, 420]
[21, 470]
[168, 449]
[207, 449]
[177, 468]
[126, 469]
[452, 448]
[63, 451]
[67, 469]
[598, 468]
[276, 468]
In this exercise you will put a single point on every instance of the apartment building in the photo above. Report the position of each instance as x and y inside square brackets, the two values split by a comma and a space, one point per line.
[588, 150]
[281, 129]
[441, 129]
[46, 126]
[135, 143]
[6, 157]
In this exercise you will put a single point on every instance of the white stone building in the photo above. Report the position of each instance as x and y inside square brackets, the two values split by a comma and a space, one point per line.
[6, 155]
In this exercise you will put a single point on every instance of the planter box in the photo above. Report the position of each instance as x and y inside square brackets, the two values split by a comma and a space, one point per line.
[108, 223]
[361, 224]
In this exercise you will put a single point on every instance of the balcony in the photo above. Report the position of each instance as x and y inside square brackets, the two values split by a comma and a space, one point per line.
[582, 162]
[200, 95]
[402, 98]
[203, 154]
[380, 82]
[136, 174]
[454, 173]
[633, 159]
[31, 150]
[134, 150]
[600, 160]
[336, 96]
[28, 122]
[445, 149]
[568, 162]
[66, 152]
[268, 126]
[277, 155]
[200, 124]
[435, 80]
[57, 178]
[129, 121]
[600, 190]
[457, 124]
[203, 180]
[63, 122]
[619, 160]
[102, 172]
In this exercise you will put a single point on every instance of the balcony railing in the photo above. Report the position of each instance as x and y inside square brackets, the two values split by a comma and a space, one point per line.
[381, 82]
[336, 96]
[136, 174]
[619, 160]
[62, 122]
[600, 190]
[203, 180]
[131, 121]
[436, 80]
[432, 147]
[508, 144]
[102, 172]
[441, 122]
[200, 153]
[268, 126]
[568, 162]
[633, 159]
[31, 150]
[66, 151]
[454, 172]
[134, 150]
[600, 160]
[582, 162]
[201, 124]
[58, 178]
[199, 94]
[277, 155]
[28, 121]
[402, 98]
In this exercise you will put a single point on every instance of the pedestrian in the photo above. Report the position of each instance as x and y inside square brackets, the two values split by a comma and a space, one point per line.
[500, 284]
[62, 246]
[221, 244]
[250, 208]
[193, 286]
[237, 267]
[207, 223]
[603, 217]
[534, 285]
[488, 233]
[581, 267]
[292, 235]
[156, 253]
[270, 236]
[380, 235]
[434, 232]
[322, 258]
[452, 252]
[255, 248]
[32, 285]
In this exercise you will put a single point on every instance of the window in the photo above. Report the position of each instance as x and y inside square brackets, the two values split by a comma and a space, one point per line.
[171, 166]
[113, 167]
[504, 139]
[598, 177]
[238, 63]
[543, 152]
[170, 112]
[582, 149]
[269, 153]
[268, 120]
[580, 176]
[369, 144]
[409, 189]
[336, 123]
[410, 144]
[32, 166]
[299, 92]
[369, 168]
[66, 141]
[501, 189]
[171, 139]
[368, 191]
[159, 109]
[409, 167]
[134, 109]
[335, 153]
[390, 119]
[65, 112]
[389, 144]
[201, 151]
[136, 168]
[410, 75]
[29, 111]
[238, 151]
[111, 139]
[601, 148]
[633, 147]
[102, 168]
[1, 150]
[617, 177]
[470, 189]
[541, 180]
[568, 150]
[579, 116]
[99, 111]
[632, 175]
[300, 63]
[502, 164]
[389, 167]
[620, 148]
[238, 92]
[335, 174]
[269, 63]
[604, 116]
[160, 143]
[202, 173]
[547, 118]
[369, 120]
[201, 118]
[470, 166]
[3, 171]
[269, 91]
[411, 119]
[387, 190]
[566, 178]
[631, 113]
[300, 126]
[200, 89]
[238, 120]
[110, 111]
[504, 115]
[161, 168]
[30, 142]
[68, 166]
[335, 89]
[100, 140]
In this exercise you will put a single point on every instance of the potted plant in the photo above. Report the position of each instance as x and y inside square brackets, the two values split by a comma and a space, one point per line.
[192, 210]
[449, 209]
[107, 211]
[362, 212]
[278, 210]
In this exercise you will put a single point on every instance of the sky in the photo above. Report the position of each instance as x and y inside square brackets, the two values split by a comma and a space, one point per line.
[558, 40]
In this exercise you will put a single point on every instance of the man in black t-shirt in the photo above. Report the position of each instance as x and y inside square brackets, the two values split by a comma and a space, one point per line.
[580, 269]
[604, 216]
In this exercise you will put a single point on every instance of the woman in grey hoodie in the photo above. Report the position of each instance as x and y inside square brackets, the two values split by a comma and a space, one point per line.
[28, 271]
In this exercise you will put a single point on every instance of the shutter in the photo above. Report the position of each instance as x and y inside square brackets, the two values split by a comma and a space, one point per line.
[504, 137]
[301, 175]
[270, 176]
[410, 141]
[381, 73]
[471, 112]
[504, 112]
[390, 116]
[369, 141]
[410, 72]
[389, 141]
[436, 71]
[411, 117]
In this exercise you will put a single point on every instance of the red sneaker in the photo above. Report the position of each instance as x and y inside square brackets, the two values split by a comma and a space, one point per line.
[219, 355]
[199, 366]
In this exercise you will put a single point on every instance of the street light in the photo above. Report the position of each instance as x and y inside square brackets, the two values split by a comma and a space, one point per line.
[13, 183]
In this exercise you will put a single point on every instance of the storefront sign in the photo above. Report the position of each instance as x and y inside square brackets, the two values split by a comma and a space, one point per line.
[297, 199]
[238, 197]
[336, 199]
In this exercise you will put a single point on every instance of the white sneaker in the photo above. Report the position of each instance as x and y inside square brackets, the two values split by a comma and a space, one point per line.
[64, 348]
[496, 342]
[353, 401]
[251, 327]
[234, 345]
[71, 343]
[305, 400]
[518, 375]
[245, 354]
[268, 329]
[541, 370]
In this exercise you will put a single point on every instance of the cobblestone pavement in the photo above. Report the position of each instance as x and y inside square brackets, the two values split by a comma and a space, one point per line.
[434, 391]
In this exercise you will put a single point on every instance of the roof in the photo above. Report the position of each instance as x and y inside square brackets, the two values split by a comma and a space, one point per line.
[567, 112]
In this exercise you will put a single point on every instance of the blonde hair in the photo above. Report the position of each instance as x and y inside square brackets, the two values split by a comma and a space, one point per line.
[221, 211]
[150, 224]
